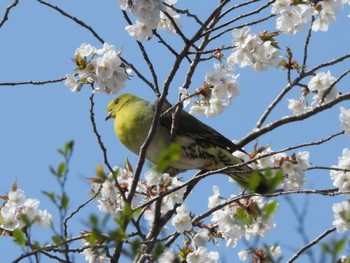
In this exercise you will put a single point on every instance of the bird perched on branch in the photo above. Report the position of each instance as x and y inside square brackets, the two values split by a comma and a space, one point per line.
[199, 146]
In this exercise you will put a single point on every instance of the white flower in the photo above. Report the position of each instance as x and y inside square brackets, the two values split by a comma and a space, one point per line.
[153, 177]
[294, 19]
[175, 197]
[183, 96]
[201, 238]
[294, 180]
[92, 257]
[214, 200]
[344, 118]
[341, 216]
[72, 83]
[8, 216]
[106, 47]
[275, 251]
[241, 36]
[17, 207]
[31, 208]
[167, 256]
[341, 179]
[243, 255]
[201, 255]
[45, 219]
[303, 159]
[139, 30]
[16, 198]
[197, 110]
[250, 50]
[297, 106]
[320, 85]
[182, 220]
[167, 24]
[85, 50]
[279, 6]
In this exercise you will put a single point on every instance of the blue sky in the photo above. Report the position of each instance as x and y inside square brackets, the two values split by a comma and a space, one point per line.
[38, 44]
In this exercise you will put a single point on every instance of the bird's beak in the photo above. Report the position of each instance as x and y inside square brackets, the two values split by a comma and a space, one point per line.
[109, 115]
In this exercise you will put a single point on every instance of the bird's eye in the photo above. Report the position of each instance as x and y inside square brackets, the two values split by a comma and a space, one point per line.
[116, 101]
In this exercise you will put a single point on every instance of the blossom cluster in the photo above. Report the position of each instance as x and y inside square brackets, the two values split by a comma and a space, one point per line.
[159, 183]
[344, 118]
[340, 174]
[292, 166]
[92, 255]
[111, 201]
[249, 217]
[18, 212]
[295, 15]
[216, 94]
[109, 197]
[260, 255]
[194, 250]
[251, 50]
[322, 85]
[101, 66]
[151, 15]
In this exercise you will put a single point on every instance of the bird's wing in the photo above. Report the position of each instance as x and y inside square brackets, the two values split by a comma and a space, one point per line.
[199, 131]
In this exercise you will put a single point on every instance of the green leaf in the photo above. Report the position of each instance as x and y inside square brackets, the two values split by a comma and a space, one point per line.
[18, 237]
[158, 250]
[93, 220]
[242, 217]
[339, 246]
[57, 240]
[67, 150]
[99, 171]
[254, 181]
[50, 195]
[270, 208]
[135, 245]
[326, 249]
[61, 169]
[64, 202]
[53, 171]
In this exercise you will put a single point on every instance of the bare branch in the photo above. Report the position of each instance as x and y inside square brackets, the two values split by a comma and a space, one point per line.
[30, 82]
[7, 12]
[185, 12]
[257, 11]
[289, 119]
[312, 243]
[144, 53]
[76, 20]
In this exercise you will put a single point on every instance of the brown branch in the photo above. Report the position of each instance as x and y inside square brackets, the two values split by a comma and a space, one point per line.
[312, 243]
[144, 53]
[7, 12]
[289, 119]
[76, 20]
[185, 12]
[257, 11]
[30, 82]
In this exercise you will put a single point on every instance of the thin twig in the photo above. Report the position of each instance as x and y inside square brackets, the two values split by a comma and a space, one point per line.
[185, 12]
[257, 11]
[312, 243]
[289, 119]
[7, 12]
[144, 53]
[30, 82]
[306, 45]
[76, 20]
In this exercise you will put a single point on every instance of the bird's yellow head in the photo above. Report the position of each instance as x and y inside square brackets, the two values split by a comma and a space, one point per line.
[115, 105]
